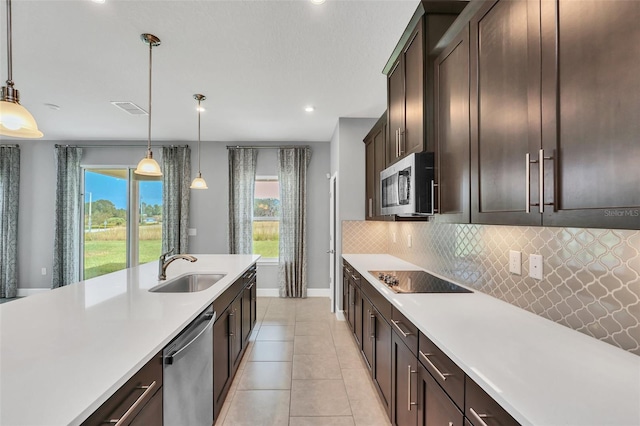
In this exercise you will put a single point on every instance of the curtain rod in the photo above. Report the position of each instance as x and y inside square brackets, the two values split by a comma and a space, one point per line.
[119, 146]
[9, 146]
[267, 147]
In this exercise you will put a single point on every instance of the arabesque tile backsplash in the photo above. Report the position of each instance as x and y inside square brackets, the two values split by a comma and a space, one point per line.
[591, 276]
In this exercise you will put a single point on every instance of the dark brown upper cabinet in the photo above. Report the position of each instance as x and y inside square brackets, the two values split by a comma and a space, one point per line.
[409, 85]
[375, 142]
[451, 71]
[505, 123]
[590, 102]
[554, 91]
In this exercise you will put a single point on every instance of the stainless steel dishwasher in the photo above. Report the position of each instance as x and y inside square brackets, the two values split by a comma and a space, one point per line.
[188, 374]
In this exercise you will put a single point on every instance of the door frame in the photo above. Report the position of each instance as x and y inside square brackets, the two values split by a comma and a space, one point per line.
[333, 211]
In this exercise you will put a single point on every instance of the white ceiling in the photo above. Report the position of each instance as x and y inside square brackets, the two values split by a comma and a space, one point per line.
[258, 62]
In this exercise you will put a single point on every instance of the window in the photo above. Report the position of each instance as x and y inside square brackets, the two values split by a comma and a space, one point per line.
[266, 217]
[122, 221]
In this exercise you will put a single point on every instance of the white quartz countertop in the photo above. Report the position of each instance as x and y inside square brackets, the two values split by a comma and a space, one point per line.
[66, 351]
[541, 372]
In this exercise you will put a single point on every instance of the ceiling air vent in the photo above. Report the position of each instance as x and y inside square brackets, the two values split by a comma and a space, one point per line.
[129, 107]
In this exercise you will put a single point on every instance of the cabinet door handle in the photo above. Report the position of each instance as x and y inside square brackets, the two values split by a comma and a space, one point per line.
[232, 326]
[434, 185]
[396, 142]
[442, 375]
[370, 207]
[123, 420]
[400, 143]
[479, 417]
[541, 159]
[409, 373]
[372, 324]
[404, 333]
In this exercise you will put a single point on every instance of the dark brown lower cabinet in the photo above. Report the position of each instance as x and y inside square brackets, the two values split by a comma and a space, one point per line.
[235, 331]
[221, 364]
[405, 379]
[247, 325]
[357, 315]
[435, 408]
[368, 332]
[481, 409]
[382, 359]
[137, 402]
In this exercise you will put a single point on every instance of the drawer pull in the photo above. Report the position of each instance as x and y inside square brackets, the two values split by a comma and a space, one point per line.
[479, 417]
[122, 420]
[372, 325]
[404, 333]
[409, 373]
[355, 278]
[442, 375]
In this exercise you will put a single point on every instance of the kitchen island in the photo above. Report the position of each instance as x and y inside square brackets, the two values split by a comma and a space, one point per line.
[540, 372]
[65, 352]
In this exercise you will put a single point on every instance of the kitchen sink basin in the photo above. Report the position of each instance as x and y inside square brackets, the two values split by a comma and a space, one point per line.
[188, 283]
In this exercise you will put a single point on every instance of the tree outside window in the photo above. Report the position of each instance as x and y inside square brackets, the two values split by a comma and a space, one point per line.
[266, 217]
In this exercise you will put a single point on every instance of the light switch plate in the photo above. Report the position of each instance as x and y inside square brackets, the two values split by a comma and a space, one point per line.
[193, 232]
[43, 271]
[535, 266]
[515, 262]
[393, 235]
[409, 241]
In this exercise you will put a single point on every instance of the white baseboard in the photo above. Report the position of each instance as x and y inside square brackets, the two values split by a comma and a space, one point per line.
[24, 292]
[311, 292]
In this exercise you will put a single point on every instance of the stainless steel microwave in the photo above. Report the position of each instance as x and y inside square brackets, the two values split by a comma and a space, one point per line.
[407, 187]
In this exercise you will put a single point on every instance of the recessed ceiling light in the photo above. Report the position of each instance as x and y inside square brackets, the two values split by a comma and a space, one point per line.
[98, 1]
[309, 108]
[317, 1]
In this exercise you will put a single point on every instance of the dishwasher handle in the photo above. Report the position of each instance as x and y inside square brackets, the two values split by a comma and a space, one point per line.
[174, 355]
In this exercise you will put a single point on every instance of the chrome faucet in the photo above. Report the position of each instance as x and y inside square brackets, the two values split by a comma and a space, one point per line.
[164, 263]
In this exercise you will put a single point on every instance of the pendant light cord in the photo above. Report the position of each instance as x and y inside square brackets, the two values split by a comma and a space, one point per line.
[9, 49]
[150, 66]
[199, 112]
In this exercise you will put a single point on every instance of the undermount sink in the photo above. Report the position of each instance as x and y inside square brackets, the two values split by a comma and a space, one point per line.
[189, 283]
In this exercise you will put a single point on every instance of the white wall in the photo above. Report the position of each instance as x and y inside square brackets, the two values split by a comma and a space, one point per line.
[348, 160]
[209, 208]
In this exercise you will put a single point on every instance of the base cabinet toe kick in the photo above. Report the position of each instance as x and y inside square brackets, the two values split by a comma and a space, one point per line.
[417, 383]
[139, 402]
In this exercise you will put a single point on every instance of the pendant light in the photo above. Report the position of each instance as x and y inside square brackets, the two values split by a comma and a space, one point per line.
[199, 182]
[148, 166]
[15, 120]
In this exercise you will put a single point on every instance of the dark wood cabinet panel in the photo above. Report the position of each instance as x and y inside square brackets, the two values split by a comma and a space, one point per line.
[481, 409]
[452, 130]
[435, 408]
[505, 68]
[368, 331]
[395, 111]
[591, 95]
[446, 373]
[405, 370]
[381, 369]
[412, 134]
[137, 398]
[235, 335]
[375, 142]
[221, 360]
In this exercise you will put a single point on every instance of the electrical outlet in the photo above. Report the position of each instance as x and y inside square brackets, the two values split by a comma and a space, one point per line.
[515, 262]
[193, 232]
[409, 241]
[43, 271]
[535, 266]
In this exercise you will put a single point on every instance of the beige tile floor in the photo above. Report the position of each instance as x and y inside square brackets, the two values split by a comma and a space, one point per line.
[302, 368]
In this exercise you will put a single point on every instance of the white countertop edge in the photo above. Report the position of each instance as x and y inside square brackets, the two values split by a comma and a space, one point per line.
[389, 262]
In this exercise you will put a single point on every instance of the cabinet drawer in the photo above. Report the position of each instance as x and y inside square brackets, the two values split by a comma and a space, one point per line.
[445, 371]
[133, 397]
[435, 407]
[482, 410]
[405, 330]
[377, 300]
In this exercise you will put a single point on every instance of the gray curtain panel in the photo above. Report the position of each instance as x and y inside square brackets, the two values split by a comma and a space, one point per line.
[176, 179]
[242, 183]
[66, 241]
[9, 189]
[292, 174]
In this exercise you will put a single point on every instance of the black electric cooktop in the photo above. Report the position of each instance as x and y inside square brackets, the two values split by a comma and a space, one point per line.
[416, 282]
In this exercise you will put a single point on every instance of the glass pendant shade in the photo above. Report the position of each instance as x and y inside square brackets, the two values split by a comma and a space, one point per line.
[148, 166]
[17, 122]
[199, 183]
